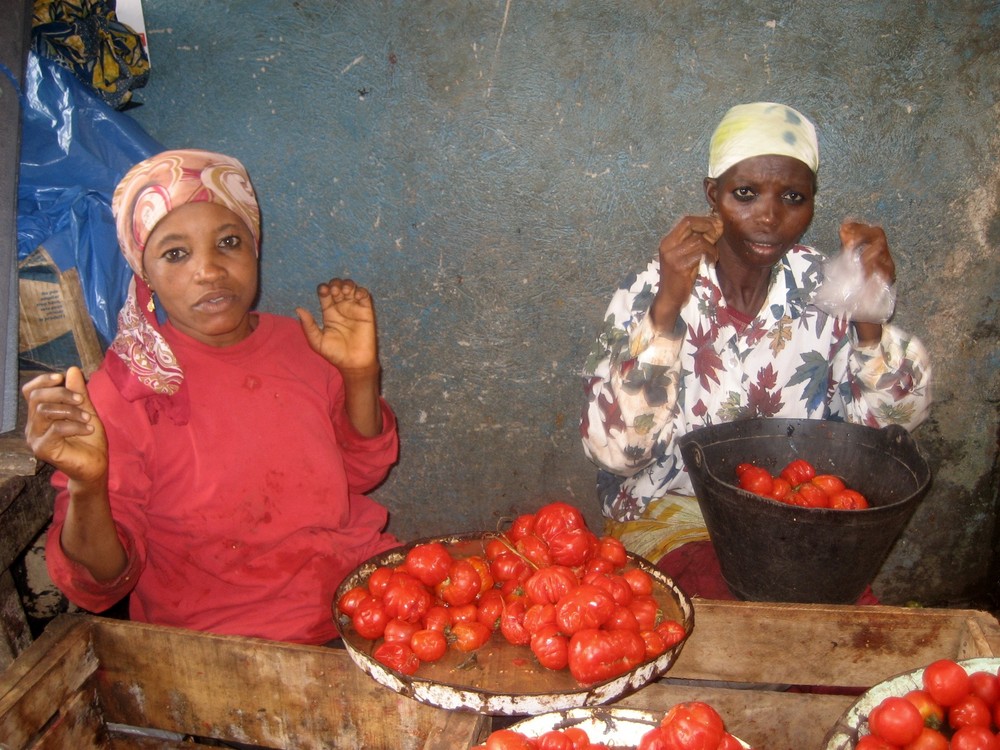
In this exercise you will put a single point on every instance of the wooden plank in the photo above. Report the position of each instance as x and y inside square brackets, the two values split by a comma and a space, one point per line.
[34, 690]
[803, 644]
[25, 510]
[257, 691]
[78, 725]
[15, 634]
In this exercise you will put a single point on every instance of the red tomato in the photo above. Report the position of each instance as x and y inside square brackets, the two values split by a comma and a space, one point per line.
[468, 636]
[848, 500]
[928, 739]
[399, 631]
[556, 739]
[672, 631]
[534, 550]
[489, 608]
[986, 685]
[896, 721]
[693, 726]
[871, 742]
[464, 613]
[780, 489]
[646, 611]
[550, 647]
[397, 656]
[496, 546]
[639, 581]
[757, 480]
[462, 585]
[483, 568]
[798, 471]
[597, 655]
[550, 584]
[429, 645]
[437, 618]
[946, 681]
[655, 643]
[586, 606]
[973, 738]
[350, 599]
[598, 565]
[728, 742]
[829, 483]
[513, 591]
[522, 526]
[572, 547]
[429, 563]
[538, 615]
[579, 737]
[510, 566]
[379, 579]
[933, 713]
[369, 619]
[970, 711]
[742, 468]
[406, 598]
[512, 624]
[555, 518]
[508, 739]
[613, 551]
[812, 496]
[614, 584]
[621, 619]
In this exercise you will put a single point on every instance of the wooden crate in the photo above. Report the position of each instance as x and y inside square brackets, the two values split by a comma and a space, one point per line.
[742, 658]
[87, 679]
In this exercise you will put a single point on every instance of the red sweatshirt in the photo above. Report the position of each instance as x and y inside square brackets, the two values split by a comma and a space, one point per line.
[245, 519]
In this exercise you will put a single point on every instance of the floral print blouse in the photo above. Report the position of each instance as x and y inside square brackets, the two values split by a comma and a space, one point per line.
[647, 389]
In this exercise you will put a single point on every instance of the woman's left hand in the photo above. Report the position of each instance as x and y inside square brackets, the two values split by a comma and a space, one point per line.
[875, 260]
[348, 338]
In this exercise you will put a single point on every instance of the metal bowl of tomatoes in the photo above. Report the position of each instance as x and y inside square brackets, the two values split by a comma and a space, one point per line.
[857, 722]
[496, 676]
[772, 551]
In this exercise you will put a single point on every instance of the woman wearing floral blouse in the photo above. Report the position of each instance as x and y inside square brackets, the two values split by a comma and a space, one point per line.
[719, 327]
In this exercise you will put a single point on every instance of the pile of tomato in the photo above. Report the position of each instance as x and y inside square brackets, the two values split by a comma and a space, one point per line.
[954, 709]
[687, 726]
[548, 583]
[799, 484]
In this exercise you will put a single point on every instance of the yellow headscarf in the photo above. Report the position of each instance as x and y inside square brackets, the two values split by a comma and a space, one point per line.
[762, 129]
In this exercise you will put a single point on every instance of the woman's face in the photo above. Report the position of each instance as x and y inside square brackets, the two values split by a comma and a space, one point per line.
[766, 204]
[201, 261]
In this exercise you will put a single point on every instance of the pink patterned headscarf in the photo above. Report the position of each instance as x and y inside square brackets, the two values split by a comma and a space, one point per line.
[144, 196]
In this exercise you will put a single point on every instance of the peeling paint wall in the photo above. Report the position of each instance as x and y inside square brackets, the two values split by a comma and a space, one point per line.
[493, 169]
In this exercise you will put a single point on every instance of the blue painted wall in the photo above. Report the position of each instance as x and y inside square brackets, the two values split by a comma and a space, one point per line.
[492, 169]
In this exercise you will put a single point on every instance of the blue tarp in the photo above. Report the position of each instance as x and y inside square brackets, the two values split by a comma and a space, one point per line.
[74, 150]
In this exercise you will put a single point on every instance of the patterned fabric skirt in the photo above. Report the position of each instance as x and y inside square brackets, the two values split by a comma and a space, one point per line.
[668, 523]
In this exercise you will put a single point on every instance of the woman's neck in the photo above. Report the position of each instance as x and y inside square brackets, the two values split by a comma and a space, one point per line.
[744, 289]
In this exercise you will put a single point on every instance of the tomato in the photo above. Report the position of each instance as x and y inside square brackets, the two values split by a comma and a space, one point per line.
[429, 563]
[512, 624]
[550, 647]
[437, 618]
[464, 613]
[757, 480]
[496, 546]
[397, 656]
[510, 566]
[970, 711]
[655, 643]
[513, 591]
[797, 472]
[579, 737]
[743, 468]
[693, 725]
[871, 742]
[933, 713]
[468, 636]
[973, 738]
[370, 619]
[728, 742]
[896, 721]
[621, 619]
[483, 568]
[780, 489]
[672, 631]
[508, 739]
[572, 547]
[406, 598]
[538, 615]
[986, 685]
[522, 526]
[585, 606]
[928, 739]
[639, 581]
[829, 483]
[646, 611]
[399, 631]
[462, 585]
[349, 600]
[555, 518]
[812, 496]
[612, 550]
[598, 565]
[429, 645]
[555, 739]
[550, 584]
[614, 584]
[489, 608]
[946, 681]
[848, 500]
[534, 550]
[596, 655]
[379, 579]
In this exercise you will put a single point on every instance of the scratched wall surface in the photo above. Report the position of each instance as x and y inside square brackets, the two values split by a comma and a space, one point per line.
[492, 170]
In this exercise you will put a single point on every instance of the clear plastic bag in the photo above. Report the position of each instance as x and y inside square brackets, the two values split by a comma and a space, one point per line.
[846, 291]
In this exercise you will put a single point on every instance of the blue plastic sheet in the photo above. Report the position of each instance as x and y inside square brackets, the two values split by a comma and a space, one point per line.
[74, 150]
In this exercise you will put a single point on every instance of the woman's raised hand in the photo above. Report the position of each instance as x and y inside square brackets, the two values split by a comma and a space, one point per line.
[348, 338]
[875, 260]
[63, 428]
[681, 251]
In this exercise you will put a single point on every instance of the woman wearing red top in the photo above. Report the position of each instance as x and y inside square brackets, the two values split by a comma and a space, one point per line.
[214, 466]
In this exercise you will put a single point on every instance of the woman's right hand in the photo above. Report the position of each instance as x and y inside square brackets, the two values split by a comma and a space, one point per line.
[681, 251]
[63, 427]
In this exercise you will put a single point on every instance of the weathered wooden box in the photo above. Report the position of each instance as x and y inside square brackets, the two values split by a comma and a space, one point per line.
[87, 680]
